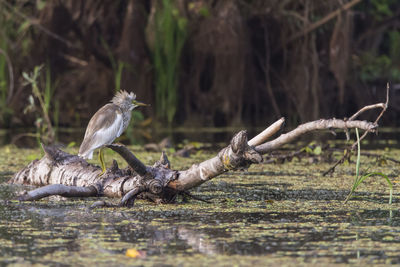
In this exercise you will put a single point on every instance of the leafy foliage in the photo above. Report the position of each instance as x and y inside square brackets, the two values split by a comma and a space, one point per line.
[384, 66]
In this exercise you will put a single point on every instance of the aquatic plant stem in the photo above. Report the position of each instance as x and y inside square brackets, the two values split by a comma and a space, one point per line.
[358, 180]
[357, 167]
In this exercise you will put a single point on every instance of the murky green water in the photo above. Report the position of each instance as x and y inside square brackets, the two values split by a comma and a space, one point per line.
[272, 214]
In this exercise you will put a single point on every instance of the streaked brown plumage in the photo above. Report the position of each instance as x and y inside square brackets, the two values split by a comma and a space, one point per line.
[108, 123]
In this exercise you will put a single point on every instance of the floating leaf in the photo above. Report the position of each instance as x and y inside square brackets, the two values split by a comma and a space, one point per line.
[134, 253]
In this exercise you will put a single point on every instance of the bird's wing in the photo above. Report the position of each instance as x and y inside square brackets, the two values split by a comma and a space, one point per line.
[103, 118]
[102, 129]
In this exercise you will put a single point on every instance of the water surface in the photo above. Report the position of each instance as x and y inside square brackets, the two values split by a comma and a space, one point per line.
[270, 214]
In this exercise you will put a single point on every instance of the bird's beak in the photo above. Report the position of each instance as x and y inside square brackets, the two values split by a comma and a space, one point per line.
[137, 103]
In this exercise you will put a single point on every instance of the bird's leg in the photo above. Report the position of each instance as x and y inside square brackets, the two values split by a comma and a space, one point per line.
[102, 163]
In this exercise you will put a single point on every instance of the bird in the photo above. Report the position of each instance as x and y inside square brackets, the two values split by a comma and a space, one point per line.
[107, 124]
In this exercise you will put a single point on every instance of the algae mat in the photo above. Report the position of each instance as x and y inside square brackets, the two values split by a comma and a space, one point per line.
[271, 214]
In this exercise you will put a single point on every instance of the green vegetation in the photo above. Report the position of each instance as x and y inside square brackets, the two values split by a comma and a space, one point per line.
[43, 123]
[218, 31]
[382, 8]
[5, 111]
[384, 66]
[170, 36]
[359, 179]
[312, 149]
[381, 61]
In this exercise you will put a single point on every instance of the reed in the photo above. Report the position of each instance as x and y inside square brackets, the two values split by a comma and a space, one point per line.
[170, 36]
[6, 75]
[360, 178]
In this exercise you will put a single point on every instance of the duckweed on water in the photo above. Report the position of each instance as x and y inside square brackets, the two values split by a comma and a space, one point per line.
[270, 214]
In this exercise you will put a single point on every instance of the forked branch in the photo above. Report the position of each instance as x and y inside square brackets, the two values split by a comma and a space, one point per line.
[348, 152]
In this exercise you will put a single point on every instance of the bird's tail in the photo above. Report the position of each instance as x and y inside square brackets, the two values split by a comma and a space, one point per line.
[85, 151]
[86, 155]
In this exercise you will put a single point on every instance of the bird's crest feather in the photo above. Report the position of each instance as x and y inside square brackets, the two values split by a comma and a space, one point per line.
[122, 97]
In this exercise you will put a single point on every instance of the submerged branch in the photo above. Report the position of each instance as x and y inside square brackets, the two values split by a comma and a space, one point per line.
[60, 190]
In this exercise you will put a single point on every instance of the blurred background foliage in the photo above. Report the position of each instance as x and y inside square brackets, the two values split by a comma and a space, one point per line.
[200, 62]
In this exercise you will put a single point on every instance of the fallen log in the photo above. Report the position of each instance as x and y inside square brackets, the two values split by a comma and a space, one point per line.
[60, 173]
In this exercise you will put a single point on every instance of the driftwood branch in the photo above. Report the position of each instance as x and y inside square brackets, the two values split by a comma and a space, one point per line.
[60, 173]
[267, 133]
[71, 176]
[313, 126]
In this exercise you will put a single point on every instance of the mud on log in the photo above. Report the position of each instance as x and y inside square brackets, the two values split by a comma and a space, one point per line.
[60, 173]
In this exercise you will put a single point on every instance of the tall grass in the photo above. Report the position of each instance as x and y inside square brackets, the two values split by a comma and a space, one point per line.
[359, 179]
[5, 75]
[170, 36]
[5, 111]
[43, 123]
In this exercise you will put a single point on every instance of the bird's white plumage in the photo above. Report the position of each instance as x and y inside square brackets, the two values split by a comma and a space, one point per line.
[105, 136]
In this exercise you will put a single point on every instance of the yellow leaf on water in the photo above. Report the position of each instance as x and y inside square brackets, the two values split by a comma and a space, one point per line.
[134, 253]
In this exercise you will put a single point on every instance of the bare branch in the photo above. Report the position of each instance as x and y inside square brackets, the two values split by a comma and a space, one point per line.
[322, 21]
[312, 126]
[379, 105]
[384, 106]
[128, 156]
[267, 133]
